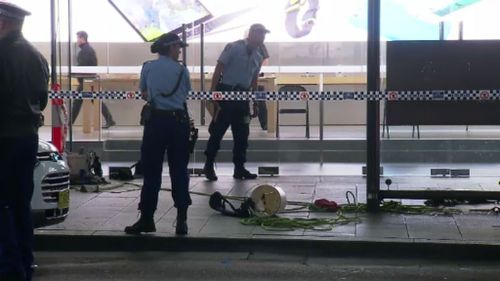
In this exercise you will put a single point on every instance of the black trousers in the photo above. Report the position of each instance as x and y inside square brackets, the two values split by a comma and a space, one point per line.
[262, 110]
[77, 105]
[239, 121]
[171, 134]
[16, 190]
[262, 114]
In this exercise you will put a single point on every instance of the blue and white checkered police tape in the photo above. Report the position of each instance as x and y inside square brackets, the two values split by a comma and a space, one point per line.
[454, 95]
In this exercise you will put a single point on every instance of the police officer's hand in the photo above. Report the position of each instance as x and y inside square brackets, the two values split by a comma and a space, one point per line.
[255, 109]
[216, 110]
[41, 121]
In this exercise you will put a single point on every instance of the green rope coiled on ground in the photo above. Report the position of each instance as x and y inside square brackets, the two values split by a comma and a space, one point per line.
[276, 223]
[288, 224]
[397, 207]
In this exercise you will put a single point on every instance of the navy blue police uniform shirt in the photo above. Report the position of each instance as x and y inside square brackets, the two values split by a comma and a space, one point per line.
[160, 76]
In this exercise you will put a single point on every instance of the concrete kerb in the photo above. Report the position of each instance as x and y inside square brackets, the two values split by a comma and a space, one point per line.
[452, 250]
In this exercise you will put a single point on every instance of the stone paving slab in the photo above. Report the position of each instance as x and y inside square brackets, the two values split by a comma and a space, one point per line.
[108, 212]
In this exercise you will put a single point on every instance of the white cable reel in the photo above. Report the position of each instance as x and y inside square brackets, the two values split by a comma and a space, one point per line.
[269, 200]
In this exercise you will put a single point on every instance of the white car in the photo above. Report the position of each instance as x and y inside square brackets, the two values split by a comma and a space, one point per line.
[50, 202]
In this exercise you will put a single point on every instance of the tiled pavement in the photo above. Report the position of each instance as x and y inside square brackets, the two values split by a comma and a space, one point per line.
[107, 213]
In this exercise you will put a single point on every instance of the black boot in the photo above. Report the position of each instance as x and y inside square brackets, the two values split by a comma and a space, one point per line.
[108, 124]
[145, 223]
[209, 171]
[181, 227]
[13, 276]
[243, 174]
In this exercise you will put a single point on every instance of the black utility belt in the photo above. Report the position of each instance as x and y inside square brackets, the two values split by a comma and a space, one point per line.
[226, 87]
[169, 113]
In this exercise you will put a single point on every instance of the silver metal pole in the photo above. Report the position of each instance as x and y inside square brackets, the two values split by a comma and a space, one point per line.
[461, 30]
[70, 105]
[202, 72]
[184, 55]
[321, 118]
[441, 30]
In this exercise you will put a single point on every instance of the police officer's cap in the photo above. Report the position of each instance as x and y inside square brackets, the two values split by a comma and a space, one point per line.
[166, 40]
[259, 27]
[12, 11]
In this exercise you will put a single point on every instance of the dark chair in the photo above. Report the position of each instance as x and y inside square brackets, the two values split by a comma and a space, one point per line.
[292, 88]
[385, 127]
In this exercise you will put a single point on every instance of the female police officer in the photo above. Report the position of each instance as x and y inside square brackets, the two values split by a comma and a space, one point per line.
[165, 84]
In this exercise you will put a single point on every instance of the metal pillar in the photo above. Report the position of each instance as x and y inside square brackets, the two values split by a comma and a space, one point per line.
[53, 44]
[321, 119]
[441, 30]
[184, 55]
[373, 108]
[461, 30]
[70, 105]
[202, 72]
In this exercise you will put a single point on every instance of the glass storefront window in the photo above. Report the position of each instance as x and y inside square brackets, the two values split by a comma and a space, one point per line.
[438, 145]
[333, 52]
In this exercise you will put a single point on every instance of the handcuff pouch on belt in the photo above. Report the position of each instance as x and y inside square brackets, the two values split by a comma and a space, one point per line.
[193, 136]
[146, 113]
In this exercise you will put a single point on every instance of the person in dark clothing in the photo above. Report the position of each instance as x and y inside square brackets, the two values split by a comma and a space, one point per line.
[24, 78]
[165, 84]
[237, 69]
[260, 107]
[88, 57]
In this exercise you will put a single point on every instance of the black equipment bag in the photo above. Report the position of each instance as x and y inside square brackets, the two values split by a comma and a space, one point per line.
[218, 203]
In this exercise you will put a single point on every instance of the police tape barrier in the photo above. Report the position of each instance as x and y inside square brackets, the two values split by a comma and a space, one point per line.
[454, 95]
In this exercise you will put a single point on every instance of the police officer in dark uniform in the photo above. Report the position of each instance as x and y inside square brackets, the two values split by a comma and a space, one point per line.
[24, 78]
[165, 83]
[237, 69]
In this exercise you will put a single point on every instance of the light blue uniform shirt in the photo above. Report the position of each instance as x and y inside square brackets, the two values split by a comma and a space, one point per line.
[160, 76]
[241, 65]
